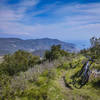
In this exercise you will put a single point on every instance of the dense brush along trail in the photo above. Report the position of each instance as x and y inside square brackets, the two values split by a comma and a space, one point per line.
[76, 80]
[62, 79]
[84, 74]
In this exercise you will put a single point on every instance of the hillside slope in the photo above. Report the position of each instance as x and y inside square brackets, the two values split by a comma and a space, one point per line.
[10, 45]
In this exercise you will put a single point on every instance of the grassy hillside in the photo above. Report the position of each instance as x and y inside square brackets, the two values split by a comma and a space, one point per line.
[64, 76]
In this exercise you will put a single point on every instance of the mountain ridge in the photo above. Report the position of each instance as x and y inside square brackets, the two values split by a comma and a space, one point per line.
[10, 45]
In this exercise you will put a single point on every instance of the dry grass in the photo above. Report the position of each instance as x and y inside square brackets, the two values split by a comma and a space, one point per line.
[1, 59]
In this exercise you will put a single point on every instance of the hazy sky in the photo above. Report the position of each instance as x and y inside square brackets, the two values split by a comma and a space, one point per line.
[61, 19]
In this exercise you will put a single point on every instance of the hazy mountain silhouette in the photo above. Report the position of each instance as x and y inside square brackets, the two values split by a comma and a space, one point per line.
[10, 45]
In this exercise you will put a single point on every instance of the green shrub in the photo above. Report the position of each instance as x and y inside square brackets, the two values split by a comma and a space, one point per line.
[19, 61]
[55, 53]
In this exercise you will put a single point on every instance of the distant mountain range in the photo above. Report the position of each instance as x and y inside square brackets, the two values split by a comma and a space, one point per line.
[37, 46]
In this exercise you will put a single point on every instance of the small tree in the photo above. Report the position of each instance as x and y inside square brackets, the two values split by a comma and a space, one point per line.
[48, 55]
[55, 53]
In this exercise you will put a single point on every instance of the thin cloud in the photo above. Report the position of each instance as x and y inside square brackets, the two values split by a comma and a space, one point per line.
[66, 21]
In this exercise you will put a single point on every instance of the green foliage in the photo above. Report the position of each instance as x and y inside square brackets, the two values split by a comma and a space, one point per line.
[49, 84]
[94, 50]
[55, 53]
[48, 55]
[19, 61]
[58, 79]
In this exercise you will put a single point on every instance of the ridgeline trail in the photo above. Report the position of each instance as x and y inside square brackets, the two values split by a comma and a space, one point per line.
[63, 84]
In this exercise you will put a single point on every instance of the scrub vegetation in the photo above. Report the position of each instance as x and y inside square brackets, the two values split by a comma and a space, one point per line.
[60, 75]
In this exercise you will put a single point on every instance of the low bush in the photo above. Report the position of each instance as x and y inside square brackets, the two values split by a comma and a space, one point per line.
[19, 61]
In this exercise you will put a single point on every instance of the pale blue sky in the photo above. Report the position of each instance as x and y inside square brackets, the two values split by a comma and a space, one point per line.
[61, 19]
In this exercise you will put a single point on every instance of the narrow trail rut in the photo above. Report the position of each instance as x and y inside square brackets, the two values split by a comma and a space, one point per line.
[62, 83]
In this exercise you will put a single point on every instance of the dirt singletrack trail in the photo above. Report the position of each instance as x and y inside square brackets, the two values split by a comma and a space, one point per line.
[62, 83]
